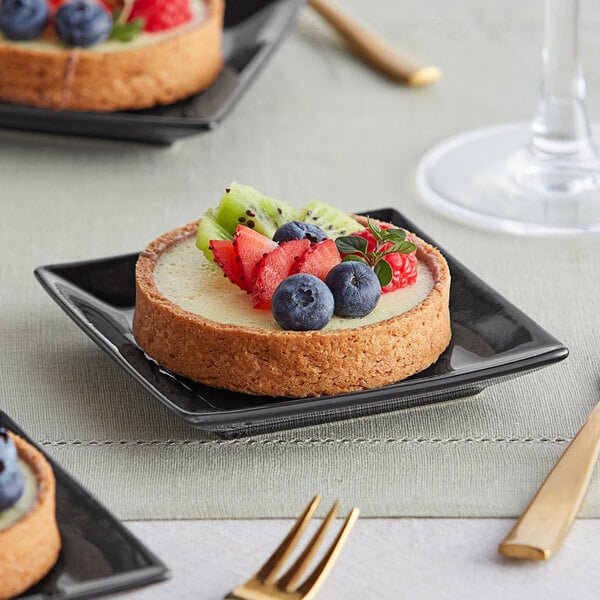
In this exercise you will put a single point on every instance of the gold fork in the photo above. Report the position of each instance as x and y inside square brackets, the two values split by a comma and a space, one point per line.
[266, 586]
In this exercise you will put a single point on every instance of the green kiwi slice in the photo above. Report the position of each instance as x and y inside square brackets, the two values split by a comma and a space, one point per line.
[210, 229]
[331, 220]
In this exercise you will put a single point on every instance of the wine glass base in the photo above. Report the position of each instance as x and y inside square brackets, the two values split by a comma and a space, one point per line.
[488, 178]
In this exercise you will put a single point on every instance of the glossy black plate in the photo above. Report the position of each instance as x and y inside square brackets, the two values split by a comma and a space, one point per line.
[98, 554]
[252, 31]
[491, 340]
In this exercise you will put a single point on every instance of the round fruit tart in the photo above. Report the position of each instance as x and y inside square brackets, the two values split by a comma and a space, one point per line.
[263, 298]
[107, 55]
[29, 537]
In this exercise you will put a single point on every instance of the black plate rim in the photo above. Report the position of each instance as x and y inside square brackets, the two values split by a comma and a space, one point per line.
[152, 573]
[550, 352]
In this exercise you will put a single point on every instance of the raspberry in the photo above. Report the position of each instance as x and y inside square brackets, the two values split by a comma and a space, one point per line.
[404, 269]
[404, 266]
[159, 15]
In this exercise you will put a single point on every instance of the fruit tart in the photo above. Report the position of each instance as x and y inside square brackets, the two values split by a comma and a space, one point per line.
[29, 537]
[263, 298]
[107, 55]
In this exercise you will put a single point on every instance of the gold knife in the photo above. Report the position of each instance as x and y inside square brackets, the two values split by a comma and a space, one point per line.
[543, 526]
[373, 49]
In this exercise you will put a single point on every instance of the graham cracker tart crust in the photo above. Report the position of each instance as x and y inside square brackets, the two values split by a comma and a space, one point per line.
[296, 364]
[29, 548]
[132, 77]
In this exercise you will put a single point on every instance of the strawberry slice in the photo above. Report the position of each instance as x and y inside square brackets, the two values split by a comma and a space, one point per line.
[273, 268]
[250, 247]
[226, 257]
[318, 260]
[159, 15]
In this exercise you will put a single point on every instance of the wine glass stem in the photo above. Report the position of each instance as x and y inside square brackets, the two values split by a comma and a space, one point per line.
[560, 126]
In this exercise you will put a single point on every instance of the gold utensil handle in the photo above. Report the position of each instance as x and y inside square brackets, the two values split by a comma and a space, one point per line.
[375, 50]
[541, 529]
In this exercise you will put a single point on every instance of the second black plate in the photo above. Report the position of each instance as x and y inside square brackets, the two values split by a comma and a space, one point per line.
[98, 554]
[252, 30]
[491, 340]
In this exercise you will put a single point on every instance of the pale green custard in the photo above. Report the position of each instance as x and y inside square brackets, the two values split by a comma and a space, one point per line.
[186, 278]
[11, 515]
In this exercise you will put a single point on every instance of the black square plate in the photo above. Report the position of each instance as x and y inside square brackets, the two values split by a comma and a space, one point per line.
[491, 340]
[252, 30]
[98, 554]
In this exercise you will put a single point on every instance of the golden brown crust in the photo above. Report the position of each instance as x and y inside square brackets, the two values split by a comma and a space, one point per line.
[30, 547]
[85, 80]
[289, 363]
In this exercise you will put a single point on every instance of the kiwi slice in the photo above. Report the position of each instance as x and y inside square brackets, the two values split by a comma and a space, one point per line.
[331, 220]
[210, 229]
[280, 211]
[242, 204]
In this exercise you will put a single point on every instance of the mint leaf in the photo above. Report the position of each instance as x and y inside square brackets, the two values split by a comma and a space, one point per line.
[401, 248]
[351, 244]
[376, 231]
[384, 272]
[355, 258]
[394, 235]
[125, 32]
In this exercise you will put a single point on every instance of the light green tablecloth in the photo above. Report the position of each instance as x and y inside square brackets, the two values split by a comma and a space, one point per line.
[315, 124]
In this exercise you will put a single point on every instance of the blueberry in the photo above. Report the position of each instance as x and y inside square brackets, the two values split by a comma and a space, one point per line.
[298, 230]
[23, 19]
[11, 484]
[11, 478]
[355, 287]
[8, 450]
[82, 23]
[302, 302]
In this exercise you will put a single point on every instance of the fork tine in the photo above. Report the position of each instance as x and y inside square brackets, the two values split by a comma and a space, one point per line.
[268, 571]
[315, 580]
[289, 581]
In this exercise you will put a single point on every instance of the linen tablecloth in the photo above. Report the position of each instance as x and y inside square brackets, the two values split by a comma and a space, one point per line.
[316, 123]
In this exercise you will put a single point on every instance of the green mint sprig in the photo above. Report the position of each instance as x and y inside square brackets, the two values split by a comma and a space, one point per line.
[122, 30]
[387, 241]
[125, 32]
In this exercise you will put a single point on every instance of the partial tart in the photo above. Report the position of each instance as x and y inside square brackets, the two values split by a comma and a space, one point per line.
[29, 545]
[254, 356]
[155, 68]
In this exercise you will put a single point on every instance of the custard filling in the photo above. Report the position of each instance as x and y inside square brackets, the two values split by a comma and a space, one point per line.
[184, 276]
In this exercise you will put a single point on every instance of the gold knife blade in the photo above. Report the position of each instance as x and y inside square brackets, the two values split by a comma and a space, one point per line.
[541, 529]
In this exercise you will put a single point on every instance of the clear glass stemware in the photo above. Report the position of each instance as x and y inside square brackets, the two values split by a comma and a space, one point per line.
[538, 178]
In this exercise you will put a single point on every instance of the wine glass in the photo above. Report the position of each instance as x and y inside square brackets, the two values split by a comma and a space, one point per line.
[538, 178]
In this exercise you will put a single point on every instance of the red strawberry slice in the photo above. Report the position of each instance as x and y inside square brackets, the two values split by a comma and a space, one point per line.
[226, 257]
[318, 260]
[159, 15]
[274, 268]
[250, 247]
[404, 266]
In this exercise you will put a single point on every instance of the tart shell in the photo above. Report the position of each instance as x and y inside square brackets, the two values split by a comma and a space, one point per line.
[289, 363]
[89, 80]
[30, 547]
